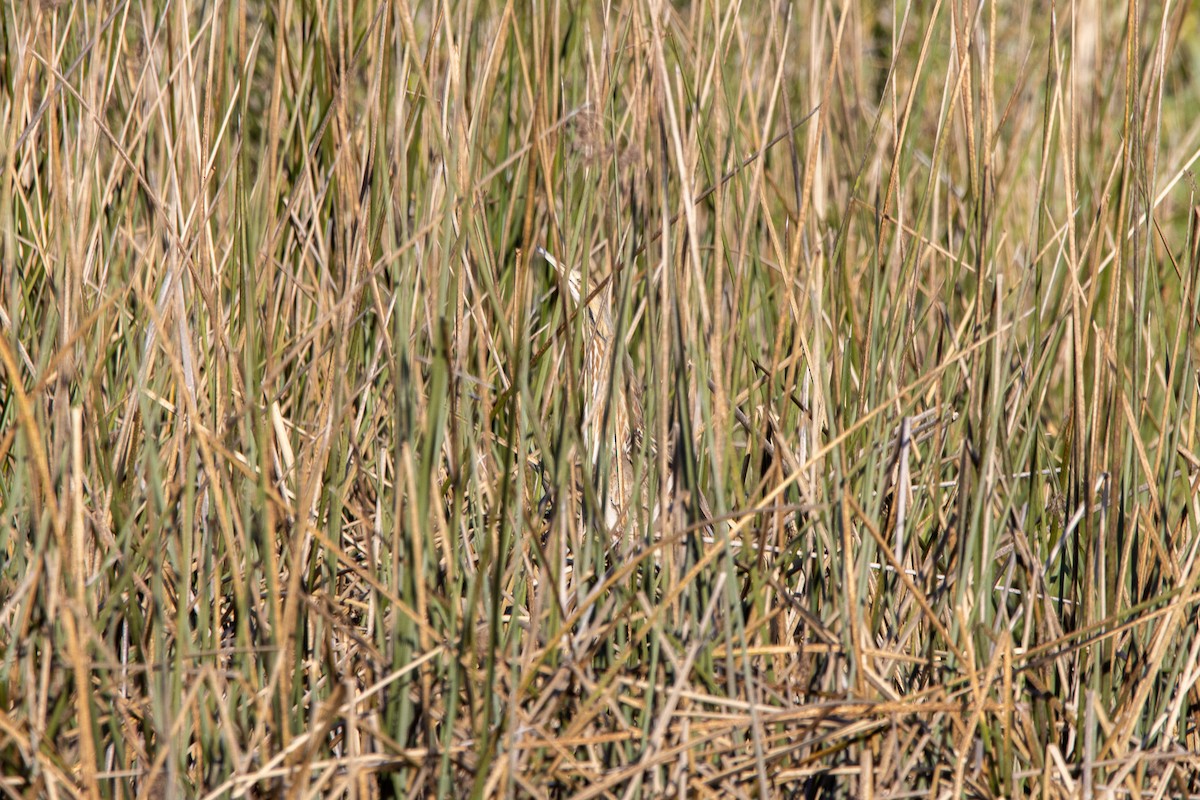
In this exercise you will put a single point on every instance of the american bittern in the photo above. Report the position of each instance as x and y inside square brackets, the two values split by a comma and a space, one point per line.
[612, 408]
[611, 416]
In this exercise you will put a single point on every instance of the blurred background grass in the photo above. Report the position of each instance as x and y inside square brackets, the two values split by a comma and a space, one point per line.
[293, 490]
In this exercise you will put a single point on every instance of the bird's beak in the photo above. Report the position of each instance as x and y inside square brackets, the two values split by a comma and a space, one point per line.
[571, 278]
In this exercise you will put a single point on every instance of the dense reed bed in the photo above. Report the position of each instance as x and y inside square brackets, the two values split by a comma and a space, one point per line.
[850, 449]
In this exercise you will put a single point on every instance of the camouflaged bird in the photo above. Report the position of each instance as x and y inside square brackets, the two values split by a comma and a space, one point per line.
[612, 426]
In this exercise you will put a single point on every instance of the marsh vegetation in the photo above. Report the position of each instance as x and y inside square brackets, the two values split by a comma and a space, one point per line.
[849, 450]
